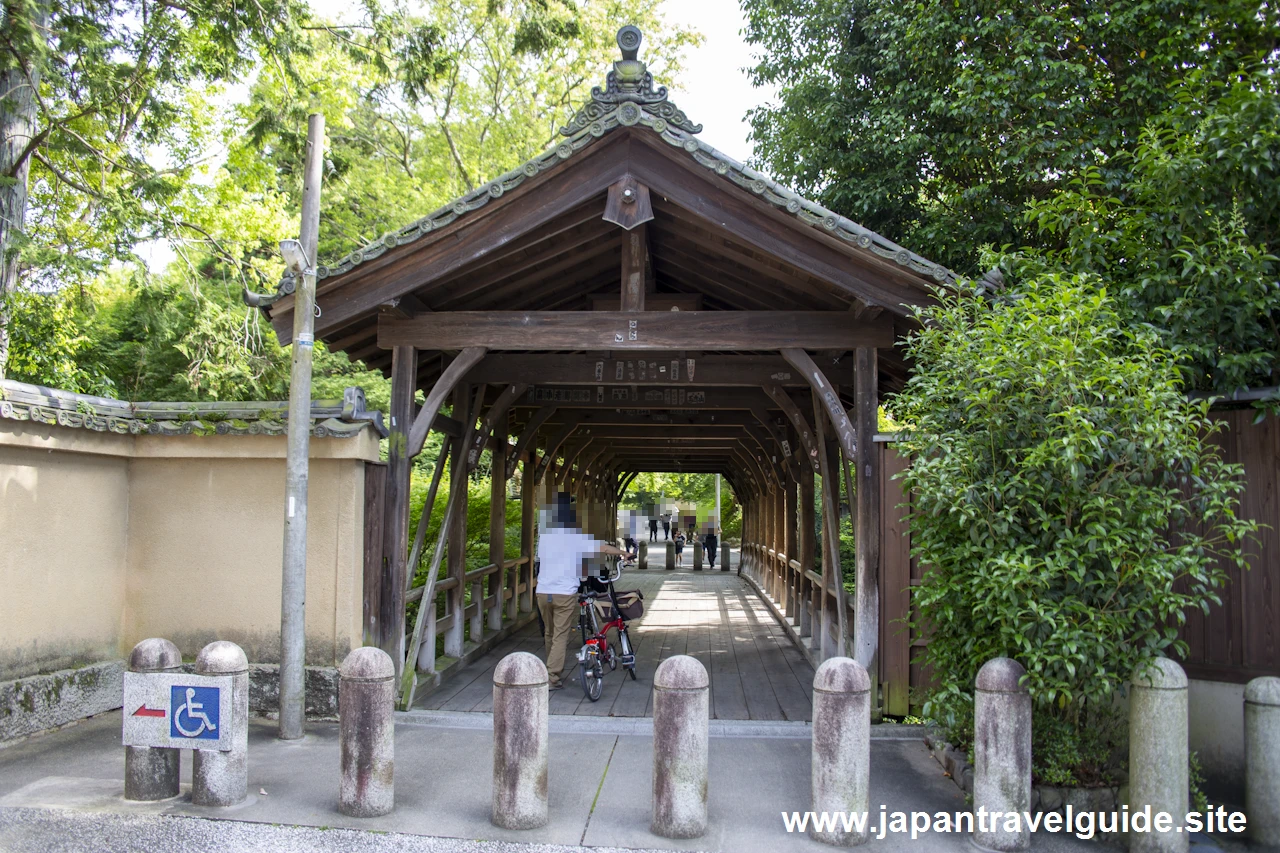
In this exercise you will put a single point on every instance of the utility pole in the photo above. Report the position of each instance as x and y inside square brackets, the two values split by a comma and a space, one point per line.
[300, 255]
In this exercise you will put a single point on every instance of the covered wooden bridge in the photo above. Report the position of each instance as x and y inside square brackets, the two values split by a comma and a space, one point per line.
[630, 300]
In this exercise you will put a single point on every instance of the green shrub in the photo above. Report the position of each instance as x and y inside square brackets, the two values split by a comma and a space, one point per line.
[1061, 486]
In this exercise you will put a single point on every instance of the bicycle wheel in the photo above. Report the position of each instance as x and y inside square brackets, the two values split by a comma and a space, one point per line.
[592, 680]
[613, 658]
[632, 670]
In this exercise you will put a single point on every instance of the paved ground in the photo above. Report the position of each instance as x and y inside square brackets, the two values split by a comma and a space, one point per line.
[756, 672]
[63, 792]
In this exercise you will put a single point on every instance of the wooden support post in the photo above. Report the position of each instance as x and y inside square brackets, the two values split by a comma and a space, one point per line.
[634, 247]
[456, 597]
[832, 572]
[528, 512]
[498, 525]
[806, 539]
[395, 525]
[792, 583]
[866, 607]
[775, 538]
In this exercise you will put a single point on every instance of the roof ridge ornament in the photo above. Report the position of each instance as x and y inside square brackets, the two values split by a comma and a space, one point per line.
[628, 93]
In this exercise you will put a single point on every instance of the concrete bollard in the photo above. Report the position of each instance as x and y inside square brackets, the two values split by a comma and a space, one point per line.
[520, 742]
[681, 734]
[1158, 774]
[222, 778]
[724, 558]
[152, 773]
[841, 746]
[1001, 752]
[366, 733]
[1262, 760]
[697, 556]
[643, 562]
[671, 555]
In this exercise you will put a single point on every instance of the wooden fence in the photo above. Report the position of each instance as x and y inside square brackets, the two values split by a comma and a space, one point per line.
[1236, 641]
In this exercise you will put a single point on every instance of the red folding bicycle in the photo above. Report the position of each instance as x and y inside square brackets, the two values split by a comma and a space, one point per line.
[598, 600]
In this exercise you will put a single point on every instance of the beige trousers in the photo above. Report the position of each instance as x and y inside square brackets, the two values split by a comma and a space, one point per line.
[560, 615]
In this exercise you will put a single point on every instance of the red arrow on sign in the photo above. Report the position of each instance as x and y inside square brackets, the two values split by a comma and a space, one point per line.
[144, 711]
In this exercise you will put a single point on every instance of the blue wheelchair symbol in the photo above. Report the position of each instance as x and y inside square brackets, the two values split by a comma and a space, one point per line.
[194, 712]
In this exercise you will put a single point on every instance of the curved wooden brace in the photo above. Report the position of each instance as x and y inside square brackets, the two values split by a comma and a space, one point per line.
[780, 396]
[562, 475]
[752, 468]
[787, 453]
[526, 438]
[455, 371]
[553, 445]
[585, 467]
[826, 394]
[766, 468]
[763, 441]
[626, 481]
[496, 412]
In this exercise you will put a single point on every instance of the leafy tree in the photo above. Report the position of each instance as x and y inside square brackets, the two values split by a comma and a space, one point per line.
[479, 87]
[1188, 239]
[103, 109]
[935, 122]
[1065, 497]
[510, 73]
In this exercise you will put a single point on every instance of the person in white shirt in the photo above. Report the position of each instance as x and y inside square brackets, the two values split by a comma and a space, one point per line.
[561, 550]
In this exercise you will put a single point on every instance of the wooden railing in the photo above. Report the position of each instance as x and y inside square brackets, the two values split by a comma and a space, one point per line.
[495, 604]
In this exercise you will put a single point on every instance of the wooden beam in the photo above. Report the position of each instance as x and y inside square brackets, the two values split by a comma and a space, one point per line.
[866, 602]
[395, 524]
[579, 369]
[454, 372]
[608, 330]
[635, 398]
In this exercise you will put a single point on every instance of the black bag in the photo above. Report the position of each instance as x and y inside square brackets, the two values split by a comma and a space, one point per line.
[630, 602]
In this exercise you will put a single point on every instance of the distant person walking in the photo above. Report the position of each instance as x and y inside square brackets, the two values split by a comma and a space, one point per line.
[710, 544]
[653, 530]
[666, 528]
[679, 542]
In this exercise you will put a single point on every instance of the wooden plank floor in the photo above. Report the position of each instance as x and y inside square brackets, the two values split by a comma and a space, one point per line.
[756, 673]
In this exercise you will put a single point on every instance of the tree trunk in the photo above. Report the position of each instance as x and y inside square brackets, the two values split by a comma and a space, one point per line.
[17, 128]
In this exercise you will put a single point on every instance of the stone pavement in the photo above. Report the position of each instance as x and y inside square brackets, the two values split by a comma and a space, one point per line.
[63, 792]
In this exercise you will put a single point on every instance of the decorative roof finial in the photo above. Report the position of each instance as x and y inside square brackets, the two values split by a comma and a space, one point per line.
[628, 96]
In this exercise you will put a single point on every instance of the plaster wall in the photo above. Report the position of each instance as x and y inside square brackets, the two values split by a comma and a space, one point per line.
[206, 546]
[64, 528]
[109, 539]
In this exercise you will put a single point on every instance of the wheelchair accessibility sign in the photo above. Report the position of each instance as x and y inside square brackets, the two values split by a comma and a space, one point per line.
[171, 709]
